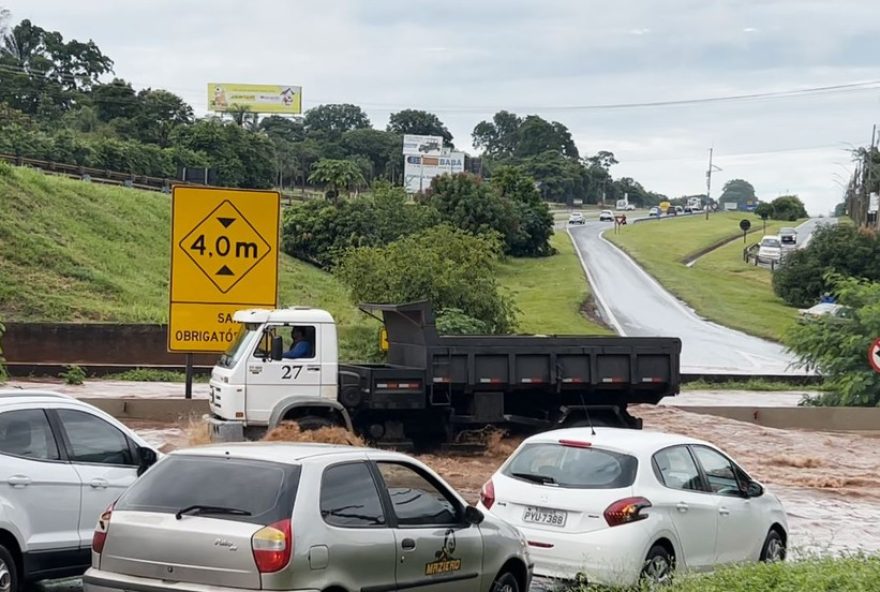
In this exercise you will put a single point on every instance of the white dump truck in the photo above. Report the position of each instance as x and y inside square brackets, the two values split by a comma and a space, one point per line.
[432, 386]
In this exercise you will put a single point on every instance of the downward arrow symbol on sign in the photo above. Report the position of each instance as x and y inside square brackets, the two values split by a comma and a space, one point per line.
[226, 222]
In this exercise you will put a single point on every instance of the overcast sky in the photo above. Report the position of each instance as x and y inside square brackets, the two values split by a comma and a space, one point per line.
[464, 60]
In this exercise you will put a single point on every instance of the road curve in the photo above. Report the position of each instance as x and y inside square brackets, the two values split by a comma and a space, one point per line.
[635, 304]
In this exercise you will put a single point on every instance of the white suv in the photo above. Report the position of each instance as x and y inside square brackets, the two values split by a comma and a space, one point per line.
[62, 462]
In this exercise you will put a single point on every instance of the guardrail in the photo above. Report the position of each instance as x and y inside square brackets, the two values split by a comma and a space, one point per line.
[750, 256]
[105, 176]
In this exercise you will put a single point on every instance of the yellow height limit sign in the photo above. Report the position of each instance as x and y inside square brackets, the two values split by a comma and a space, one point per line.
[224, 257]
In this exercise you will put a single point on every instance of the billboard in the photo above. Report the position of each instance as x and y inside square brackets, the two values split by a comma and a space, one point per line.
[413, 144]
[419, 169]
[284, 99]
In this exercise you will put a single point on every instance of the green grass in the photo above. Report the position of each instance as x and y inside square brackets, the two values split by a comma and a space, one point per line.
[153, 375]
[750, 384]
[76, 251]
[550, 292]
[850, 574]
[720, 286]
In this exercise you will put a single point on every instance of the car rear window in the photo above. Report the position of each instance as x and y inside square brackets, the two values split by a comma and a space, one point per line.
[556, 465]
[769, 242]
[266, 490]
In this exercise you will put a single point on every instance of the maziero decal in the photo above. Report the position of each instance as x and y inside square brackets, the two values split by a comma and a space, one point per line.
[444, 562]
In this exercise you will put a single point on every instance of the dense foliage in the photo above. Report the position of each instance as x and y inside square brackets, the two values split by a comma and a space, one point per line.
[837, 345]
[841, 249]
[449, 267]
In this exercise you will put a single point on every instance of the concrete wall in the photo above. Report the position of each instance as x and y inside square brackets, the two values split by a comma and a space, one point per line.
[805, 418]
[162, 410]
[92, 344]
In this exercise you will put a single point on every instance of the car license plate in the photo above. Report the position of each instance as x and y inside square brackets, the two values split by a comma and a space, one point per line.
[545, 516]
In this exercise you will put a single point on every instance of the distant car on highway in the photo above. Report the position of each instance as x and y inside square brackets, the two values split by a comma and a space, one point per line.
[825, 309]
[654, 212]
[679, 210]
[788, 236]
[576, 218]
[283, 516]
[630, 208]
[62, 462]
[619, 506]
[770, 248]
[606, 216]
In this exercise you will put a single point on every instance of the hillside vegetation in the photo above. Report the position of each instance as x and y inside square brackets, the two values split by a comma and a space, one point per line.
[76, 251]
[84, 252]
[720, 286]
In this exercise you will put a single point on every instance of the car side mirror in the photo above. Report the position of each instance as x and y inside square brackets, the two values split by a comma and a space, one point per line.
[472, 515]
[146, 458]
[277, 348]
[754, 489]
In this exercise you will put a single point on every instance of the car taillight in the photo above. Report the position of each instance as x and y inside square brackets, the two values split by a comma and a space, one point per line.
[626, 510]
[100, 535]
[273, 546]
[487, 494]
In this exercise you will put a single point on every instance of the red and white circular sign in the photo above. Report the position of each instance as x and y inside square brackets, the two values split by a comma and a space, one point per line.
[874, 355]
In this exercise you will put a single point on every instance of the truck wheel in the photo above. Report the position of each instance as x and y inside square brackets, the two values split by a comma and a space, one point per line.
[312, 422]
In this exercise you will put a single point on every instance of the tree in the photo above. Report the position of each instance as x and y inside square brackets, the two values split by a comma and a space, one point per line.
[337, 175]
[764, 210]
[449, 267]
[739, 191]
[841, 249]
[43, 74]
[603, 160]
[788, 207]
[281, 128]
[413, 121]
[159, 114]
[498, 137]
[559, 179]
[840, 210]
[378, 147]
[466, 203]
[329, 122]
[534, 222]
[836, 346]
[114, 100]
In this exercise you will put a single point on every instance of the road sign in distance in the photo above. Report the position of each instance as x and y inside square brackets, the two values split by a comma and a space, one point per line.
[744, 225]
[874, 355]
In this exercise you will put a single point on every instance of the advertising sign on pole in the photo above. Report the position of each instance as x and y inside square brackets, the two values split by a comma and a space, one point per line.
[281, 99]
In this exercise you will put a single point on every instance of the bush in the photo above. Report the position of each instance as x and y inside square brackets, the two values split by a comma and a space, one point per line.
[840, 249]
[449, 267]
[533, 220]
[453, 321]
[837, 346]
[319, 232]
[788, 207]
[74, 375]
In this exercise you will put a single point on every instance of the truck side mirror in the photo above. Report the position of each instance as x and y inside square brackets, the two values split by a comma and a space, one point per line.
[277, 348]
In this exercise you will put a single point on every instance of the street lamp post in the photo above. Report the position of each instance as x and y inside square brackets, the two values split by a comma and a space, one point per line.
[709, 171]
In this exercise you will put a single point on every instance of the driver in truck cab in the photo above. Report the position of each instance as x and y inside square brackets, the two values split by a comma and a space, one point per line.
[300, 348]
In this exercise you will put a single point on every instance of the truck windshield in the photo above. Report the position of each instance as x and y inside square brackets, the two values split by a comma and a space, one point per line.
[238, 347]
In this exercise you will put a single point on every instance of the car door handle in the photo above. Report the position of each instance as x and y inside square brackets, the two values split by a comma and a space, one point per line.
[19, 481]
[408, 544]
[724, 511]
[681, 507]
[99, 484]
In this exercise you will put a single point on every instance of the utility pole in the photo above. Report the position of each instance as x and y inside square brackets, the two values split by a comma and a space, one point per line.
[709, 181]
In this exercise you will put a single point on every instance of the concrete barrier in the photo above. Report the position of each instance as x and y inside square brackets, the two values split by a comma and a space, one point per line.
[159, 410]
[832, 419]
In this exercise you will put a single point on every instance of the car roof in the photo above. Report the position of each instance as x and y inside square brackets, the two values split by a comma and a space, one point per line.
[23, 395]
[773, 236]
[619, 439]
[286, 452]
[787, 229]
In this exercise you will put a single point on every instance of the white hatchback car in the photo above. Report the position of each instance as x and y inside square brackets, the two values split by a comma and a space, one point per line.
[617, 505]
[606, 216]
[62, 462]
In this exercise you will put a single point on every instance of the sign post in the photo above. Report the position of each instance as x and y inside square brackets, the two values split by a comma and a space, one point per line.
[874, 355]
[224, 257]
[744, 225]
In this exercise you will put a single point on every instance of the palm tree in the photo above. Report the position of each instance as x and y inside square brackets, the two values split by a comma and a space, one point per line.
[336, 175]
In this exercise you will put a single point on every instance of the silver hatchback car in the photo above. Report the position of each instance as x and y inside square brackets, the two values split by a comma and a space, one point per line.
[265, 516]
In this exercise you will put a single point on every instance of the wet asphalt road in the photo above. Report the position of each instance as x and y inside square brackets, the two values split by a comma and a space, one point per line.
[634, 304]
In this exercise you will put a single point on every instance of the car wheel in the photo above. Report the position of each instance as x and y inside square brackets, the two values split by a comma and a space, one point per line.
[659, 566]
[505, 582]
[773, 550]
[8, 574]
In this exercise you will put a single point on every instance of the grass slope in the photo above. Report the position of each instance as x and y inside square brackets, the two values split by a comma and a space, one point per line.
[550, 292]
[720, 286]
[75, 251]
